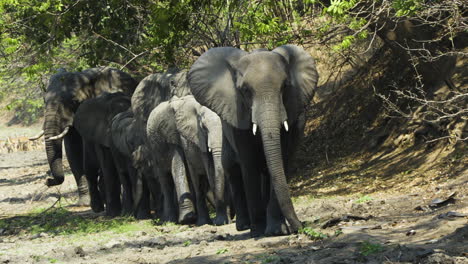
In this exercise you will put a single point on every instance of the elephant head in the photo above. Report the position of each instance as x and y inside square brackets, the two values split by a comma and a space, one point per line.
[259, 90]
[65, 92]
[125, 136]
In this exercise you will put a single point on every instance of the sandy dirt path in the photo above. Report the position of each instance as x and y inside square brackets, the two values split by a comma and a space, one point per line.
[384, 227]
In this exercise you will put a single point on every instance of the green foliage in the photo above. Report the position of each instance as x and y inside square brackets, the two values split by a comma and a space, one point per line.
[367, 248]
[221, 251]
[338, 8]
[63, 222]
[363, 199]
[312, 234]
[187, 243]
[269, 259]
[406, 7]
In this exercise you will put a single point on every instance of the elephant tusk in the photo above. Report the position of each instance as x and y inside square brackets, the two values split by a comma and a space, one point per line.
[37, 136]
[61, 135]
[254, 129]
[209, 149]
[286, 125]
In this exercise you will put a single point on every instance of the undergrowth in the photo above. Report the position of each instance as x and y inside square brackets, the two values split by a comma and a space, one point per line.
[60, 221]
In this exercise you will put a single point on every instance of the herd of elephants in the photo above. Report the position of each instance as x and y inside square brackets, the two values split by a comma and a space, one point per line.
[220, 134]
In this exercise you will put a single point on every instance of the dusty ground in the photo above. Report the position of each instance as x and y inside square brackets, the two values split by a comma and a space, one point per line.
[396, 225]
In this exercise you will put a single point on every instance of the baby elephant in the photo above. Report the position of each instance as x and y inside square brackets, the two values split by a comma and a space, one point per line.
[192, 133]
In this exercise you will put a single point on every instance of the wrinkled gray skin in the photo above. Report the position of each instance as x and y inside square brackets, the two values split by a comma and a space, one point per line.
[166, 146]
[260, 89]
[65, 92]
[201, 132]
[150, 92]
[93, 120]
[131, 167]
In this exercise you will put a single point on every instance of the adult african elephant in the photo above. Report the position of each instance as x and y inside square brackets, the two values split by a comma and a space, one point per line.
[265, 91]
[65, 92]
[93, 120]
[201, 138]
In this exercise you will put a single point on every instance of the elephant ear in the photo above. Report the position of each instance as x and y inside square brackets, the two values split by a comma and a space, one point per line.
[212, 80]
[162, 125]
[186, 117]
[303, 79]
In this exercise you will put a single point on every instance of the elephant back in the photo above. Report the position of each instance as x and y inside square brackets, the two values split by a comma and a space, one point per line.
[155, 89]
[94, 116]
[72, 88]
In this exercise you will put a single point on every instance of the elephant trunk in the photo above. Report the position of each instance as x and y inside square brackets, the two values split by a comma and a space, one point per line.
[270, 127]
[53, 148]
[219, 179]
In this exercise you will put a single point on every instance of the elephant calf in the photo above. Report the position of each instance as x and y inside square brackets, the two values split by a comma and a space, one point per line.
[93, 121]
[202, 141]
[126, 141]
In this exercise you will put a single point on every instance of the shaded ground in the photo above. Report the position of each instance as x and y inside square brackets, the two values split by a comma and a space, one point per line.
[395, 225]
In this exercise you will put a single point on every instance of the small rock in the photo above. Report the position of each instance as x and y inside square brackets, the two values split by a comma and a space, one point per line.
[451, 214]
[112, 244]
[203, 243]
[212, 230]
[142, 233]
[314, 248]
[79, 251]
[156, 241]
[146, 249]
[411, 233]
[35, 236]
[221, 237]
[432, 241]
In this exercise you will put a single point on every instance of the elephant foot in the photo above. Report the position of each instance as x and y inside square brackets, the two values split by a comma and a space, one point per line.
[187, 218]
[222, 219]
[128, 209]
[277, 229]
[169, 217]
[141, 214]
[257, 231]
[113, 212]
[97, 205]
[54, 181]
[203, 221]
[242, 223]
[83, 200]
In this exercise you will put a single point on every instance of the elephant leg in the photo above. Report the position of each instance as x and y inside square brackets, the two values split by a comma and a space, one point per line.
[111, 181]
[121, 165]
[203, 215]
[184, 197]
[156, 197]
[276, 223]
[141, 195]
[91, 169]
[216, 180]
[169, 212]
[238, 198]
[252, 188]
[74, 151]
